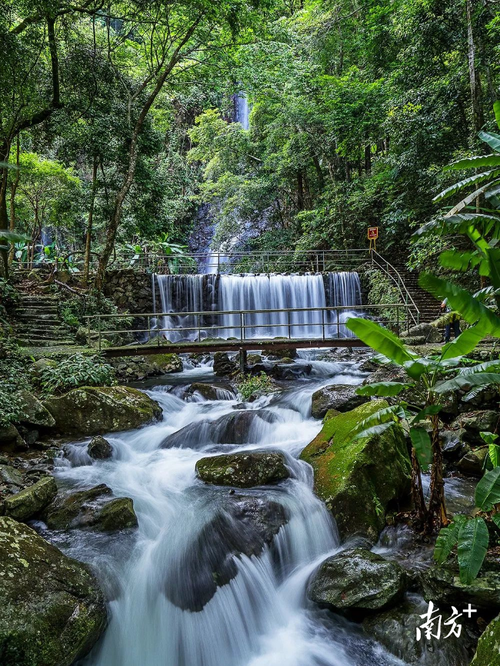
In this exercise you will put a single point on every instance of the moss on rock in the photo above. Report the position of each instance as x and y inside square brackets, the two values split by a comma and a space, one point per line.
[488, 647]
[51, 608]
[359, 478]
[32, 500]
[94, 410]
[243, 470]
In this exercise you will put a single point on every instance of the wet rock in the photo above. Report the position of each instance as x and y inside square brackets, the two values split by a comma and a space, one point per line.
[428, 332]
[31, 501]
[238, 427]
[396, 629]
[454, 446]
[475, 422]
[289, 352]
[168, 363]
[290, 370]
[357, 579]
[252, 359]
[472, 462]
[485, 399]
[241, 525]
[99, 448]
[243, 470]
[211, 391]
[51, 608]
[93, 410]
[11, 476]
[10, 440]
[33, 412]
[488, 647]
[340, 397]
[224, 366]
[94, 508]
[359, 478]
[441, 584]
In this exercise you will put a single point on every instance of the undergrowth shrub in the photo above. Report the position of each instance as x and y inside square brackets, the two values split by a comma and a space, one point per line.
[253, 386]
[13, 378]
[74, 371]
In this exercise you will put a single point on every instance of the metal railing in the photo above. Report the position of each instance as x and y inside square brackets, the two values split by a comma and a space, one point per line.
[382, 264]
[199, 331]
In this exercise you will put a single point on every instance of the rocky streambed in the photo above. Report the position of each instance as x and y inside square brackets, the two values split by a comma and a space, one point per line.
[181, 526]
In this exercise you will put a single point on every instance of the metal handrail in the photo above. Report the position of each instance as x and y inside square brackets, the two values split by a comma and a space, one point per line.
[243, 325]
[403, 290]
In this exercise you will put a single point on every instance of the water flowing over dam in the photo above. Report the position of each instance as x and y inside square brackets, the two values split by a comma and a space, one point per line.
[248, 292]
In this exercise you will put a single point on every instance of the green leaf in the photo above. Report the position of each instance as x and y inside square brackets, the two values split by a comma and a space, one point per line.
[488, 490]
[384, 415]
[459, 261]
[383, 389]
[447, 539]
[487, 366]
[496, 519]
[488, 437]
[374, 430]
[430, 410]
[492, 139]
[423, 447]
[494, 454]
[473, 542]
[467, 381]
[380, 339]
[466, 342]
[457, 187]
[461, 300]
[474, 162]
[494, 266]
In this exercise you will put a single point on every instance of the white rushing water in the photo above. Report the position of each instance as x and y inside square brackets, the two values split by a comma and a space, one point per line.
[210, 292]
[157, 573]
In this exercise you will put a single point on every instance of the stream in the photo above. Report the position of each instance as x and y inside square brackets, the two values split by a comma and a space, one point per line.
[153, 575]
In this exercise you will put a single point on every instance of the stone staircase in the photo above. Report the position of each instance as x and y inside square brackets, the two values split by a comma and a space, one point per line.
[425, 302]
[38, 323]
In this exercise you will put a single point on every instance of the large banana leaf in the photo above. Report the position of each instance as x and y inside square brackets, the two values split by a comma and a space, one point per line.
[461, 300]
[423, 447]
[494, 454]
[488, 490]
[461, 185]
[492, 139]
[380, 339]
[470, 198]
[430, 410]
[496, 519]
[382, 416]
[466, 342]
[383, 389]
[460, 261]
[487, 366]
[473, 542]
[496, 110]
[374, 430]
[494, 266]
[447, 539]
[474, 162]
[467, 381]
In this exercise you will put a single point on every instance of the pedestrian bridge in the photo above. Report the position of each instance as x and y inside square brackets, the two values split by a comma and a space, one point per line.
[199, 332]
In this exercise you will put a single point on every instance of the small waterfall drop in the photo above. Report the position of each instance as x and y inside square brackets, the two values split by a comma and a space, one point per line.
[210, 292]
[242, 110]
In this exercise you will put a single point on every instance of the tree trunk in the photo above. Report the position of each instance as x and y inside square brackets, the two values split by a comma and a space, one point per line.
[13, 189]
[88, 237]
[417, 491]
[116, 214]
[300, 191]
[474, 79]
[437, 508]
[368, 158]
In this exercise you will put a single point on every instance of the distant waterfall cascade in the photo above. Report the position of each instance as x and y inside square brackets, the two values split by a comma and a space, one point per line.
[242, 110]
[210, 293]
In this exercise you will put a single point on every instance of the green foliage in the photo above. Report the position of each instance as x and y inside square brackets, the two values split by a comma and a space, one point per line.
[473, 541]
[381, 291]
[74, 371]
[75, 310]
[13, 378]
[254, 386]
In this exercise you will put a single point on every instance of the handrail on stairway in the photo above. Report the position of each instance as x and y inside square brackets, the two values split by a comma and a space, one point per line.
[379, 261]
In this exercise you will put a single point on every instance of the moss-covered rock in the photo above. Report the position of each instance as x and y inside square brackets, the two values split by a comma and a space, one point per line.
[93, 410]
[357, 579]
[168, 363]
[95, 508]
[473, 462]
[342, 398]
[441, 584]
[10, 440]
[51, 608]
[488, 647]
[243, 470]
[99, 448]
[32, 500]
[212, 391]
[359, 478]
[224, 366]
[33, 412]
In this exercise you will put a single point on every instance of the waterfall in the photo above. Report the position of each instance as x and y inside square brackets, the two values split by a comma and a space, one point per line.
[242, 110]
[209, 292]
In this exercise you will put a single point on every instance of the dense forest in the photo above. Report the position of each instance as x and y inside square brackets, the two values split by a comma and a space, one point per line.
[118, 124]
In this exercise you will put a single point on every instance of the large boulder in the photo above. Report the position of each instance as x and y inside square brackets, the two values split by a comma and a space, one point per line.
[241, 525]
[10, 440]
[429, 332]
[396, 628]
[243, 470]
[168, 363]
[31, 501]
[476, 422]
[33, 412]
[340, 397]
[441, 584]
[357, 580]
[95, 508]
[473, 462]
[238, 427]
[359, 478]
[93, 410]
[51, 608]
[99, 448]
[488, 647]
[212, 391]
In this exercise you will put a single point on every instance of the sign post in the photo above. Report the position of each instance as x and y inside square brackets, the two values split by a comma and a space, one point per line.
[372, 237]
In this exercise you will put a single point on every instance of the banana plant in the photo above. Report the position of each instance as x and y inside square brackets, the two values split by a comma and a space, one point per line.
[471, 535]
[428, 373]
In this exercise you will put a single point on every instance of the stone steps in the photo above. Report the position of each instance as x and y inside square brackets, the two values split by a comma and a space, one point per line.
[38, 322]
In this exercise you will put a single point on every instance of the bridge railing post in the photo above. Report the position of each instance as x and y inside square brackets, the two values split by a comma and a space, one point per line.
[289, 325]
[323, 321]
[149, 329]
[242, 325]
